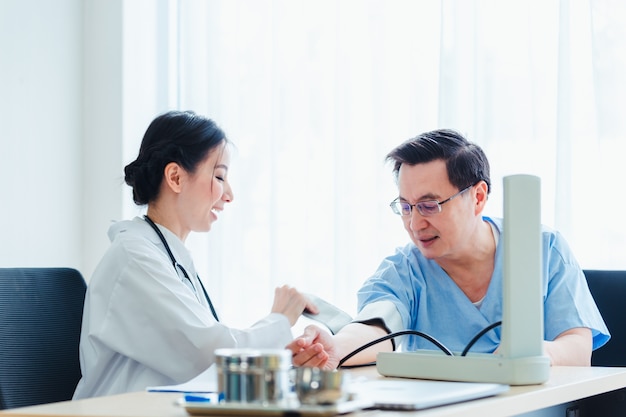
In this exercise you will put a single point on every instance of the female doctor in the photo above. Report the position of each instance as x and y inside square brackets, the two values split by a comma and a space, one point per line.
[148, 320]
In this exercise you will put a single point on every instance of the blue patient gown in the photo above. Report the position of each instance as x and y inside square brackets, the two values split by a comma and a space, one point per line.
[409, 291]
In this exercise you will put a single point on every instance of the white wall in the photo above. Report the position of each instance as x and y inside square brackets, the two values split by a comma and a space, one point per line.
[40, 137]
[60, 137]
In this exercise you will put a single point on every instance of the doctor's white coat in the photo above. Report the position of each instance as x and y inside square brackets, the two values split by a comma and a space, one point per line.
[143, 326]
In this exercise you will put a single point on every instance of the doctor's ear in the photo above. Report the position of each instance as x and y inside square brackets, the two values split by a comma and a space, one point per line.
[173, 176]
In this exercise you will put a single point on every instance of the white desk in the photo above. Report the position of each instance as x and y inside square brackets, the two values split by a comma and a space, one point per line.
[566, 384]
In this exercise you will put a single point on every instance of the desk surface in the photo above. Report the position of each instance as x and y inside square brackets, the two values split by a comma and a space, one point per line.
[565, 384]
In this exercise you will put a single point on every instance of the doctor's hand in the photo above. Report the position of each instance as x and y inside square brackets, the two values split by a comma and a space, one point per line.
[291, 303]
[315, 348]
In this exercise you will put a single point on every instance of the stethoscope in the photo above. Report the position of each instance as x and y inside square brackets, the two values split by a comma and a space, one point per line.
[178, 266]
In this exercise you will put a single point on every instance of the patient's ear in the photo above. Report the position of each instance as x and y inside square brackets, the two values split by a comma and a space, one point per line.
[481, 193]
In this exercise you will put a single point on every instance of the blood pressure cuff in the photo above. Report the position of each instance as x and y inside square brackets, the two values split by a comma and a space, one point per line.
[383, 314]
[329, 315]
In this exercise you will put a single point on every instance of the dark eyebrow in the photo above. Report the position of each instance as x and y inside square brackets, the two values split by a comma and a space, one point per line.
[425, 197]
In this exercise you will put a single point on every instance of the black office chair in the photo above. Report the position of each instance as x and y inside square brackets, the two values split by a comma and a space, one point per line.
[609, 291]
[40, 319]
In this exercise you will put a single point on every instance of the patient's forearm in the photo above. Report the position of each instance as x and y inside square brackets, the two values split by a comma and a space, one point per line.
[570, 348]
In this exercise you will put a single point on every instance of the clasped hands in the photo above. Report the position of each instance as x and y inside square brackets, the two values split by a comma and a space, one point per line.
[315, 348]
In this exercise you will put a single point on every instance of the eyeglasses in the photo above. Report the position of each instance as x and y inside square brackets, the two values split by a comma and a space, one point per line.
[425, 208]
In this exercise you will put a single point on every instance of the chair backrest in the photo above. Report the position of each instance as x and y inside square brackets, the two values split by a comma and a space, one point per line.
[40, 320]
[609, 291]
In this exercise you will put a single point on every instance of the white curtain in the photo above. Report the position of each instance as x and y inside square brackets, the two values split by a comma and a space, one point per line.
[315, 93]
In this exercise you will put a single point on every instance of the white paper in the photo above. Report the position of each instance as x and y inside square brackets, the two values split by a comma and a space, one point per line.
[204, 383]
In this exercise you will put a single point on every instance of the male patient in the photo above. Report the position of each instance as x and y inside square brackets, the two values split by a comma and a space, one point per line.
[447, 282]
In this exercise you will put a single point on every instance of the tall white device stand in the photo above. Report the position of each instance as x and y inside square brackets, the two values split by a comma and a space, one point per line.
[520, 359]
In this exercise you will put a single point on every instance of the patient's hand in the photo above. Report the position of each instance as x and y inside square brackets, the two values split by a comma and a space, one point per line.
[314, 348]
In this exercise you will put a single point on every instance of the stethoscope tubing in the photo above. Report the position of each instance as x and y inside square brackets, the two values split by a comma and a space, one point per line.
[178, 266]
